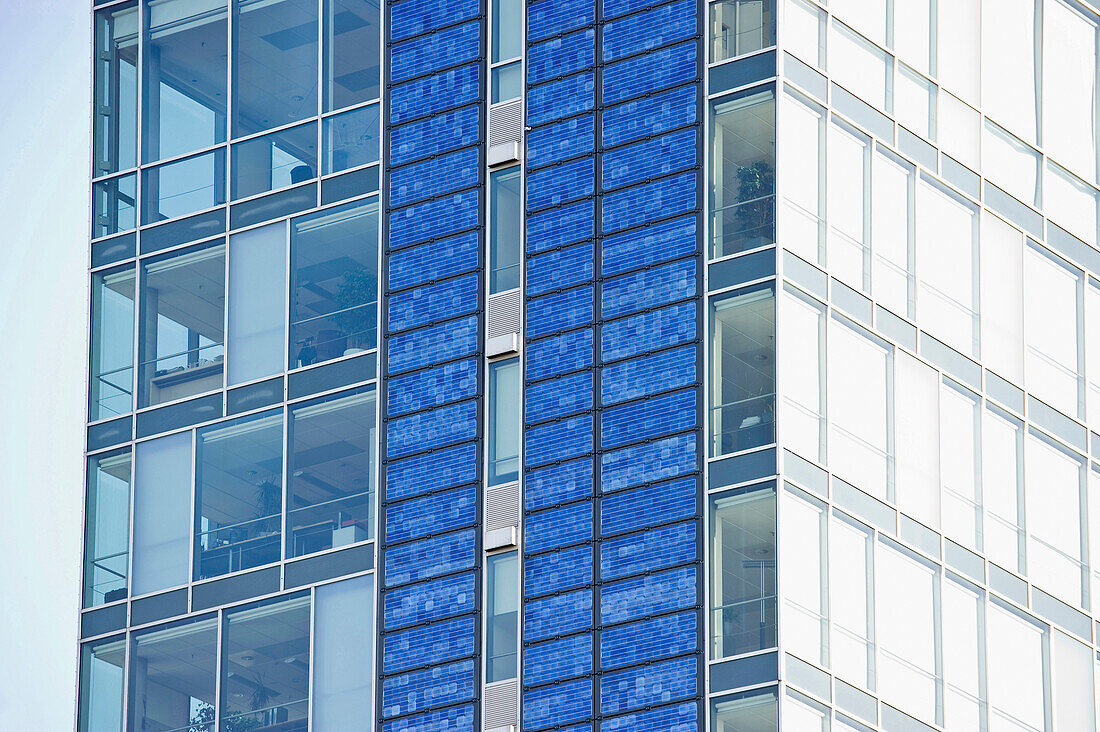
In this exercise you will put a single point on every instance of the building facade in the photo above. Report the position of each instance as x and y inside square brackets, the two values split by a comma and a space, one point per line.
[593, 366]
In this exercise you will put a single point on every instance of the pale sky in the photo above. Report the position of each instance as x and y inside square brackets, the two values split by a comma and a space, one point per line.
[44, 85]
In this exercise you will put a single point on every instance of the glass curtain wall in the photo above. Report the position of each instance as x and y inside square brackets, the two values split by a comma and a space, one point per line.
[111, 390]
[506, 49]
[738, 27]
[173, 677]
[115, 92]
[102, 678]
[504, 421]
[107, 528]
[502, 617]
[504, 232]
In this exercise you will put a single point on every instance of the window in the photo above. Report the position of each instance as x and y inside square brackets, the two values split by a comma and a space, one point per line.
[116, 47]
[1092, 343]
[915, 102]
[802, 170]
[917, 421]
[1012, 164]
[860, 444]
[353, 72]
[162, 508]
[1010, 66]
[182, 325]
[1071, 203]
[331, 469]
[507, 48]
[848, 196]
[742, 396]
[111, 391]
[859, 66]
[184, 77]
[912, 23]
[101, 683]
[892, 280]
[738, 27]
[275, 64]
[751, 710]
[504, 232]
[1055, 556]
[1002, 298]
[742, 172]
[803, 552]
[265, 667]
[1052, 311]
[906, 610]
[107, 528]
[257, 303]
[173, 677]
[866, 16]
[274, 161]
[502, 618]
[115, 205]
[343, 655]
[1015, 669]
[1073, 689]
[802, 713]
[804, 32]
[239, 494]
[960, 465]
[1003, 486]
[960, 130]
[183, 187]
[802, 361]
[351, 139]
[959, 54]
[504, 421]
[963, 643]
[334, 283]
[742, 566]
[851, 651]
[1069, 86]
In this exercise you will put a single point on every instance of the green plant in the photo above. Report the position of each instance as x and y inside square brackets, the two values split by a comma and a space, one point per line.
[269, 504]
[359, 288]
[756, 189]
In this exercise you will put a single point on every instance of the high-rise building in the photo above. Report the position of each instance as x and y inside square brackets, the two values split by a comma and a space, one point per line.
[593, 366]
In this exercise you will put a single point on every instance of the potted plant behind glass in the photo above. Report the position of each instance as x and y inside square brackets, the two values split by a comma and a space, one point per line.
[355, 294]
[756, 212]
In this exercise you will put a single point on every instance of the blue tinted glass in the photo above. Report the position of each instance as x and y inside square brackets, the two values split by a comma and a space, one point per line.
[111, 387]
[107, 529]
[116, 38]
[275, 161]
[101, 665]
[507, 82]
[183, 187]
[352, 58]
[115, 205]
[351, 139]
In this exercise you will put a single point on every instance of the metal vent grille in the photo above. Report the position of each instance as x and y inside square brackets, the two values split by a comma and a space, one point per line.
[501, 704]
[506, 122]
[504, 313]
[502, 506]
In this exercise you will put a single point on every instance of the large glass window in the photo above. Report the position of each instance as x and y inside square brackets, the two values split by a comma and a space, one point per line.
[343, 655]
[802, 364]
[915, 102]
[351, 139]
[265, 670]
[334, 283]
[751, 710]
[804, 31]
[1012, 164]
[803, 551]
[1069, 86]
[275, 64]
[1073, 690]
[182, 325]
[173, 677]
[184, 76]
[1015, 668]
[504, 232]
[239, 494]
[738, 27]
[860, 66]
[1070, 202]
[959, 129]
[506, 49]
[963, 643]
[803, 165]
[115, 70]
[742, 567]
[107, 528]
[257, 302]
[860, 444]
[162, 506]
[742, 395]
[1010, 71]
[101, 681]
[1002, 298]
[111, 391]
[912, 24]
[742, 172]
[502, 618]
[848, 193]
[851, 605]
[331, 468]
[183, 186]
[1055, 485]
[892, 279]
[1003, 486]
[504, 421]
[867, 16]
[959, 64]
[916, 431]
[114, 204]
[352, 61]
[1092, 343]
[960, 465]
[273, 161]
[1052, 311]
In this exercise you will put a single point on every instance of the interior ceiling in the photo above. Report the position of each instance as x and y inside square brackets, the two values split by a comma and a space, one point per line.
[234, 461]
[332, 454]
[193, 295]
[748, 344]
[270, 647]
[182, 659]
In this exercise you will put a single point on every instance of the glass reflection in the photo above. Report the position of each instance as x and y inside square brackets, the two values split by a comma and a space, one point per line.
[351, 139]
[107, 528]
[504, 421]
[111, 391]
[752, 711]
[115, 92]
[502, 624]
[101, 681]
[504, 243]
[738, 27]
[275, 161]
[352, 58]
[115, 205]
[183, 187]
[173, 677]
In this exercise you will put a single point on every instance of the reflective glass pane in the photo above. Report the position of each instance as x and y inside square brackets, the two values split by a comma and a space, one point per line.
[115, 202]
[1002, 489]
[742, 172]
[1073, 688]
[173, 677]
[1052, 293]
[963, 648]
[960, 446]
[115, 92]
[738, 27]
[1009, 66]
[947, 228]
[504, 421]
[912, 32]
[334, 283]
[353, 32]
[804, 714]
[275, 64]
[184, 101]
[802, 363]
[331, 470]
[1092, 355]
[859, 66]
[916, 438]
[507, 82]
[800, 178]
[959, 53]
[851, 649]
[111, 388]
[507, 31]
[265, 667]
[757, 711]
[162, 508]
[802, 546]
[239, 494]
[1002, 298]
[182, 327]
[343, 654]
[959, 130]
[504, 232]
[915, 102]
[183, 187]
[107, 529]
[257, 302]
[1011, 164]
[502, 623]
[849, 164]
[1015, 669]
[274, 161]
[351, 139]
[1071, 203]
[892, 280]
[742, 567]
[804, 31]
[1055, 481]
[743, 370]
[101, 681]
[1069, 86]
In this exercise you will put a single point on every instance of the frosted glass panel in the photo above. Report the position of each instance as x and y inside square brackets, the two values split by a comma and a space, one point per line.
[803, 28]
[800, 172]
[257, 302]
[343, 658]
[959, 63]
[960, 130]
[1070, 203]
[162, 513]
[963, 641]
[1073, 687]
[851, 647]
[858, 66]
[848, 157]
[912, 32]
[866, 16]
[1092, 356]
[1014, 661]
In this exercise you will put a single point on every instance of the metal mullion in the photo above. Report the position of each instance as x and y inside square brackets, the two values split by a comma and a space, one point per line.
[319, 133]
[127, 642]
[227, 303]
[218, 685]
[194, 520]
[285, 516]
[312, 658]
